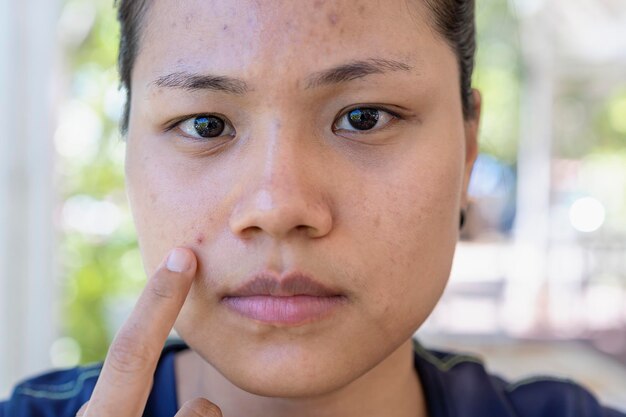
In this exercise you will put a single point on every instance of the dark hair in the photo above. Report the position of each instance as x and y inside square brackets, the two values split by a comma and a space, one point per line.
[453, 19]
[130, 14]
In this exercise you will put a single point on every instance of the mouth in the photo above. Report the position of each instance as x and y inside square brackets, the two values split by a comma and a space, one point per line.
[292, 300]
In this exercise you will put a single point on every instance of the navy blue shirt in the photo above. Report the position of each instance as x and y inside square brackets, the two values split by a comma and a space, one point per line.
[454, 386]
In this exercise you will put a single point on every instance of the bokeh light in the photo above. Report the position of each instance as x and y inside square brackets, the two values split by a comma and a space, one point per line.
[587, 214]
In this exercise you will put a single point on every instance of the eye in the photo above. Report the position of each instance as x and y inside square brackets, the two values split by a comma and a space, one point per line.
[206, 126]
[363, 119]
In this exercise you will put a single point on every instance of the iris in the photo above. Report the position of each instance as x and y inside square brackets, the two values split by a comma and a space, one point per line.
[208, 126]
[363, 119]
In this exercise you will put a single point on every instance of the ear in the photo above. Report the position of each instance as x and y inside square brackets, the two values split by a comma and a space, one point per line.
[471, 142]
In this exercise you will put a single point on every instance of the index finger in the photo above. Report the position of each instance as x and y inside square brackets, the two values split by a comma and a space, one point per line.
[126, 377]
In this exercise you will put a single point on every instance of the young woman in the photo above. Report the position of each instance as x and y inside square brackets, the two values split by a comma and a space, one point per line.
[308, 162]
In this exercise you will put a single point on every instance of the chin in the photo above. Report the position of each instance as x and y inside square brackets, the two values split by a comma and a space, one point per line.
[281, 390]
[287, 384]
[285, 369]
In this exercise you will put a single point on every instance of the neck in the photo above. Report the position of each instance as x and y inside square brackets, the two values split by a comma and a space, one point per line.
[392, 388]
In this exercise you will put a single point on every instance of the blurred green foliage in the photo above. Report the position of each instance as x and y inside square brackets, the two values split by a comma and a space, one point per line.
[498, 77]
[99, 270]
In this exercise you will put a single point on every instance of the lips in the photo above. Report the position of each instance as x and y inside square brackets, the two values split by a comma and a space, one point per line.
[294, 299]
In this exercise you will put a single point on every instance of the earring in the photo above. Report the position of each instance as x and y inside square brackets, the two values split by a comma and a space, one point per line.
[462, 219]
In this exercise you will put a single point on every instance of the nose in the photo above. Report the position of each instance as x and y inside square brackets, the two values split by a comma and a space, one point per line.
[283, 193]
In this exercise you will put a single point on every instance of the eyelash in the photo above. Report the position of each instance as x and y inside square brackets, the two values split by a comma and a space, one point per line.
[179, 121]
[394, 117]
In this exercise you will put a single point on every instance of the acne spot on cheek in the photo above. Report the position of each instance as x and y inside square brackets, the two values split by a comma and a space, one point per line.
[333, 19]
[200, 239]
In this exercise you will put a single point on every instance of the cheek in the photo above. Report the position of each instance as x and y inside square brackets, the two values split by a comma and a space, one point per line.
[410, 240]
[168, 204]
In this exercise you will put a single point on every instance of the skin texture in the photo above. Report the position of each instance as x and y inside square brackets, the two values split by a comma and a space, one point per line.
[372, 215]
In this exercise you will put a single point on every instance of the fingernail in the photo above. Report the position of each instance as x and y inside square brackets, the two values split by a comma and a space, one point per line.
[178, 260]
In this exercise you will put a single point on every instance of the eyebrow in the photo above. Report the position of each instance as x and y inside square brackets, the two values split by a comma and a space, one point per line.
[341, 73]
[354, 70]
[195, 82]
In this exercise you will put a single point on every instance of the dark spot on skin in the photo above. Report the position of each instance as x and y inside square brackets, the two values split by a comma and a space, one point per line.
[332, 18]
[377, 221]
[361, 10]
[318, 3]
[225, 27]
[200, 239]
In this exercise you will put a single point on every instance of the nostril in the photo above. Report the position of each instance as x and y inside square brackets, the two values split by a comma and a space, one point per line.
[279, 215]
[307, 230]
[253, 229]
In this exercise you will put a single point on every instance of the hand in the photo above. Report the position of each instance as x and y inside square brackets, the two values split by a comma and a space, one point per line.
[127, 374]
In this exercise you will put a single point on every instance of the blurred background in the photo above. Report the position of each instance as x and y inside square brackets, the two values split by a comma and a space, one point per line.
[539, 278]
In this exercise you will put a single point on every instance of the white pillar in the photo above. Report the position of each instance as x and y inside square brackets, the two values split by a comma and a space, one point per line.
[28, 289]
[529, 273]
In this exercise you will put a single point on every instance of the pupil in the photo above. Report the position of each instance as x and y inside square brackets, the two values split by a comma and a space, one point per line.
[209, 126]
[363, 119]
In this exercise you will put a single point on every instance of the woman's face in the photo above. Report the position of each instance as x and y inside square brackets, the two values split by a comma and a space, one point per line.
[366, 203]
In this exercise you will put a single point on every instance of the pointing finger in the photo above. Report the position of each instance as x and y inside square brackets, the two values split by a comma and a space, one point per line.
[126, 378]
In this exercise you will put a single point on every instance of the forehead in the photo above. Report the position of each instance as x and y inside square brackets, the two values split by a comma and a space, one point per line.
[257, 38]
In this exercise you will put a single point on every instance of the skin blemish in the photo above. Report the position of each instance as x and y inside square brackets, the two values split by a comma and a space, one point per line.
[200, 239]
[225, 27]
[332, 18]
[189, 20]
[377, 221]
